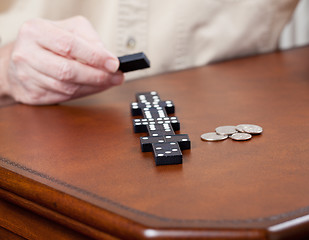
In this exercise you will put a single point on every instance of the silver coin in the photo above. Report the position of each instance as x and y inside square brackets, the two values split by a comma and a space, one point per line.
[212, 136]
[249, 128]
[226, 130]
[241, 136]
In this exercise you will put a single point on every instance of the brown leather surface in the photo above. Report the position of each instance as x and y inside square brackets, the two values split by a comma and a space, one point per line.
[84, 153]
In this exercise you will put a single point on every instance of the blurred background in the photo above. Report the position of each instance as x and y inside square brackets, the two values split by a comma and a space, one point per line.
[296, 32]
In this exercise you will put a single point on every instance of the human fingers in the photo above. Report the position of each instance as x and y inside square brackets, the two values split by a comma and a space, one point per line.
[73, 90]
[65, 70]
[84, 29]
[35, 95]
[31, 87]
[62, 42]
[85, 90]
[25, 90]
[28, 75]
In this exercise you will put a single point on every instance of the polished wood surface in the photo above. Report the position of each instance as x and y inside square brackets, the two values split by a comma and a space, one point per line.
[5, 234]
[31, 226]
[79, 164]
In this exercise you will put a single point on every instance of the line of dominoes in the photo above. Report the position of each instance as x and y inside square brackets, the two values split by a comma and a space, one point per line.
[162, 140]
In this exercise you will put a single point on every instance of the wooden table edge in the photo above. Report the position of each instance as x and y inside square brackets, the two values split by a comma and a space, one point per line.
[103, 223]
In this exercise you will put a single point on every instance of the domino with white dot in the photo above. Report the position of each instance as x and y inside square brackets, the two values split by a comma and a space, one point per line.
[162, 140]
[147, 124]
[168, 153]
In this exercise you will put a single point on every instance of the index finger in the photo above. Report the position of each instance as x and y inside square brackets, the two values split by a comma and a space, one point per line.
[84, 30]
[67, 44]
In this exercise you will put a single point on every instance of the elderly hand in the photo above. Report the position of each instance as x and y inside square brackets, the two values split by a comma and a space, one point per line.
[55, 61]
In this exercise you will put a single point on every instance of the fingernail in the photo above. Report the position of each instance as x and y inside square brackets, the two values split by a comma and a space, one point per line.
[117, 79]
[111, 65]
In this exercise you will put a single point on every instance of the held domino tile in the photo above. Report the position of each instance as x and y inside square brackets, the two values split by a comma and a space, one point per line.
[133, 62]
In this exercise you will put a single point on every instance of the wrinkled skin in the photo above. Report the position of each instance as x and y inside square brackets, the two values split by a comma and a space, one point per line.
[55, 61]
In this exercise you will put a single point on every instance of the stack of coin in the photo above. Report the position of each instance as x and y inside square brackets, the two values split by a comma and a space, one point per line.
[240, 132]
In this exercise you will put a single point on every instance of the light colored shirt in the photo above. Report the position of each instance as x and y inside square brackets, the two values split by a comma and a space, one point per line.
[174, 34]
